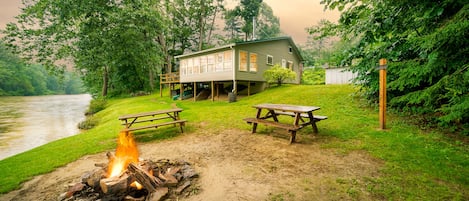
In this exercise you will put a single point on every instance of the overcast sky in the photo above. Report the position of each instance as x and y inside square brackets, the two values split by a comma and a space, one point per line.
[295, 15]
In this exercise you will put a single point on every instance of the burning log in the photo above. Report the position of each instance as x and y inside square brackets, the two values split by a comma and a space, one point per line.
[115, 185]
[93, 178]
[110, 156]
[144, 178]
[169, 178]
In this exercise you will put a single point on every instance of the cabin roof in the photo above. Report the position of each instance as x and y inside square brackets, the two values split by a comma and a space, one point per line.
[231, 45]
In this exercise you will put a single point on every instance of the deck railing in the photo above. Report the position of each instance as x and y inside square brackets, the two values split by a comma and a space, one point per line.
[169, 78]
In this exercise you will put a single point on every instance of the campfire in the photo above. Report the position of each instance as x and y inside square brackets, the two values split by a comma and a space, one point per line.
[126, 177]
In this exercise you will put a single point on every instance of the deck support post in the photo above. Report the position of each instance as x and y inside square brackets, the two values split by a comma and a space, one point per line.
[213, 91]
[195, 91]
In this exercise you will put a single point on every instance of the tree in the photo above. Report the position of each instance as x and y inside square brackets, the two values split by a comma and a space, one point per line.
[18, 78]
[190, 27]
[113, 43]
[278, 74]
[314, 76]
[426, 45]
[240, 20]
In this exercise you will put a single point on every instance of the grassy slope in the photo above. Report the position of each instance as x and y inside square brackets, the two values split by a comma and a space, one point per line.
[417, 165]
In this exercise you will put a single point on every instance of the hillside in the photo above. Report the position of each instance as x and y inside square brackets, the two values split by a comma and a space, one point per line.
[349, 159]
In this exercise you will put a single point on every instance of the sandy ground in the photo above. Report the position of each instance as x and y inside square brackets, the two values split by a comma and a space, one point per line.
[238, 165]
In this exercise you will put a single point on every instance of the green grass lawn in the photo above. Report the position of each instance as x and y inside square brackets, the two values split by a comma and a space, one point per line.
[417, 165]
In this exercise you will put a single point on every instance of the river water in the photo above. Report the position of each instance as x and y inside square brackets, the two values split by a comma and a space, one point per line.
[30, 121]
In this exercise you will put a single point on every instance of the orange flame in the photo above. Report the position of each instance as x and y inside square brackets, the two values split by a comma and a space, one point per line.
[126, 153]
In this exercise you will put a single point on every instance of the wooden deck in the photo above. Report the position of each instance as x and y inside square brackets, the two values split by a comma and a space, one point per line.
[169, 78]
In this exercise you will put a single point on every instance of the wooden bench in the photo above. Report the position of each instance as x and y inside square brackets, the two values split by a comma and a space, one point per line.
[290, 127]
[298, 112]
[155, 117]
[303, 115]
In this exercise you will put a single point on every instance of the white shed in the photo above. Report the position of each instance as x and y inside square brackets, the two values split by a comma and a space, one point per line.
[339, 76]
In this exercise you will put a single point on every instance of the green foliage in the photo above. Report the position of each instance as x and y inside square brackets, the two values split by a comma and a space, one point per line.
[20, 79]
[191, 24]
[89, 123]
[112, 43]
[240, 20]
[426, 43]
[314, 76]
[278, 74]
[96, 105]
[120, 47]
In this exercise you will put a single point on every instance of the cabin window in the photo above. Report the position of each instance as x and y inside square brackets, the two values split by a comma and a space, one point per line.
[228, 61]
[190, 64]
[243, 61]
[210, 63]
[196, 65]
[253, 62]
[183, 66]
[219, 62]
[290, 49]
[203, 64]
[284, 63]
[270, 60]
[290, 65]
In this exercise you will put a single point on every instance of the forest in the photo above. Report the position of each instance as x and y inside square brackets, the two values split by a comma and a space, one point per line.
[121, 46]
[17, 78]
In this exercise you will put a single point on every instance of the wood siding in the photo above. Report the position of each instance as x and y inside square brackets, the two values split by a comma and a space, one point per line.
[281, 49]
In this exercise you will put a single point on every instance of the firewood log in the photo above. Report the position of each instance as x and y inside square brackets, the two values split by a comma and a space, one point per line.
[158, 195]
[115, 185]
[93, 178]
[147, 180]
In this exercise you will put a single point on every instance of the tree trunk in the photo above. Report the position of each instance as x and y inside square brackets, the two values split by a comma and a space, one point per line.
[202, 24]
[167, 57]
[212, 25]
[151, 77]
[105, 81]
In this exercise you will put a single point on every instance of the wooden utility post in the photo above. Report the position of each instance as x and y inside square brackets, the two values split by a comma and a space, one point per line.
[382, 93]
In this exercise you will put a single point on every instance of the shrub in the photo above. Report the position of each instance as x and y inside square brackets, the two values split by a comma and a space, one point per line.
[278, 74]
[88, 123]
[314, 76]
[96, 105]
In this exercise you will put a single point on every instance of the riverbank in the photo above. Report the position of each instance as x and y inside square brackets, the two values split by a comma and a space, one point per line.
[349, 159]
[31, 121]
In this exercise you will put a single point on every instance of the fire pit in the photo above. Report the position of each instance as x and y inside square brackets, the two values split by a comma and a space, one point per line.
[126, 177]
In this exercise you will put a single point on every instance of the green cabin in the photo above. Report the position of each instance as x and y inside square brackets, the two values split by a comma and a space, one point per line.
[236, 68]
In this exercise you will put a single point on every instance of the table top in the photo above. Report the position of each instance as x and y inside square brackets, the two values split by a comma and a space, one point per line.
[150, 113]
[287, 107]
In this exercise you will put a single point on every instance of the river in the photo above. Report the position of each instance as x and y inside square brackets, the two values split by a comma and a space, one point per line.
[30, 121]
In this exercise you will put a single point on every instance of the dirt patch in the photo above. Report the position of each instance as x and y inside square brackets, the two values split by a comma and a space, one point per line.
[237, 165]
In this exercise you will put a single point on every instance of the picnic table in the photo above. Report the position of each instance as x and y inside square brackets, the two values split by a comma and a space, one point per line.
[153, 119]
[302, 116]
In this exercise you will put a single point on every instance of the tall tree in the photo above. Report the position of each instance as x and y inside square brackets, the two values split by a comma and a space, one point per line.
[247, 10]
[426, 43]
[253, 18]
[20, 79]
[191, 24]
[112, 42]
[267, 24]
